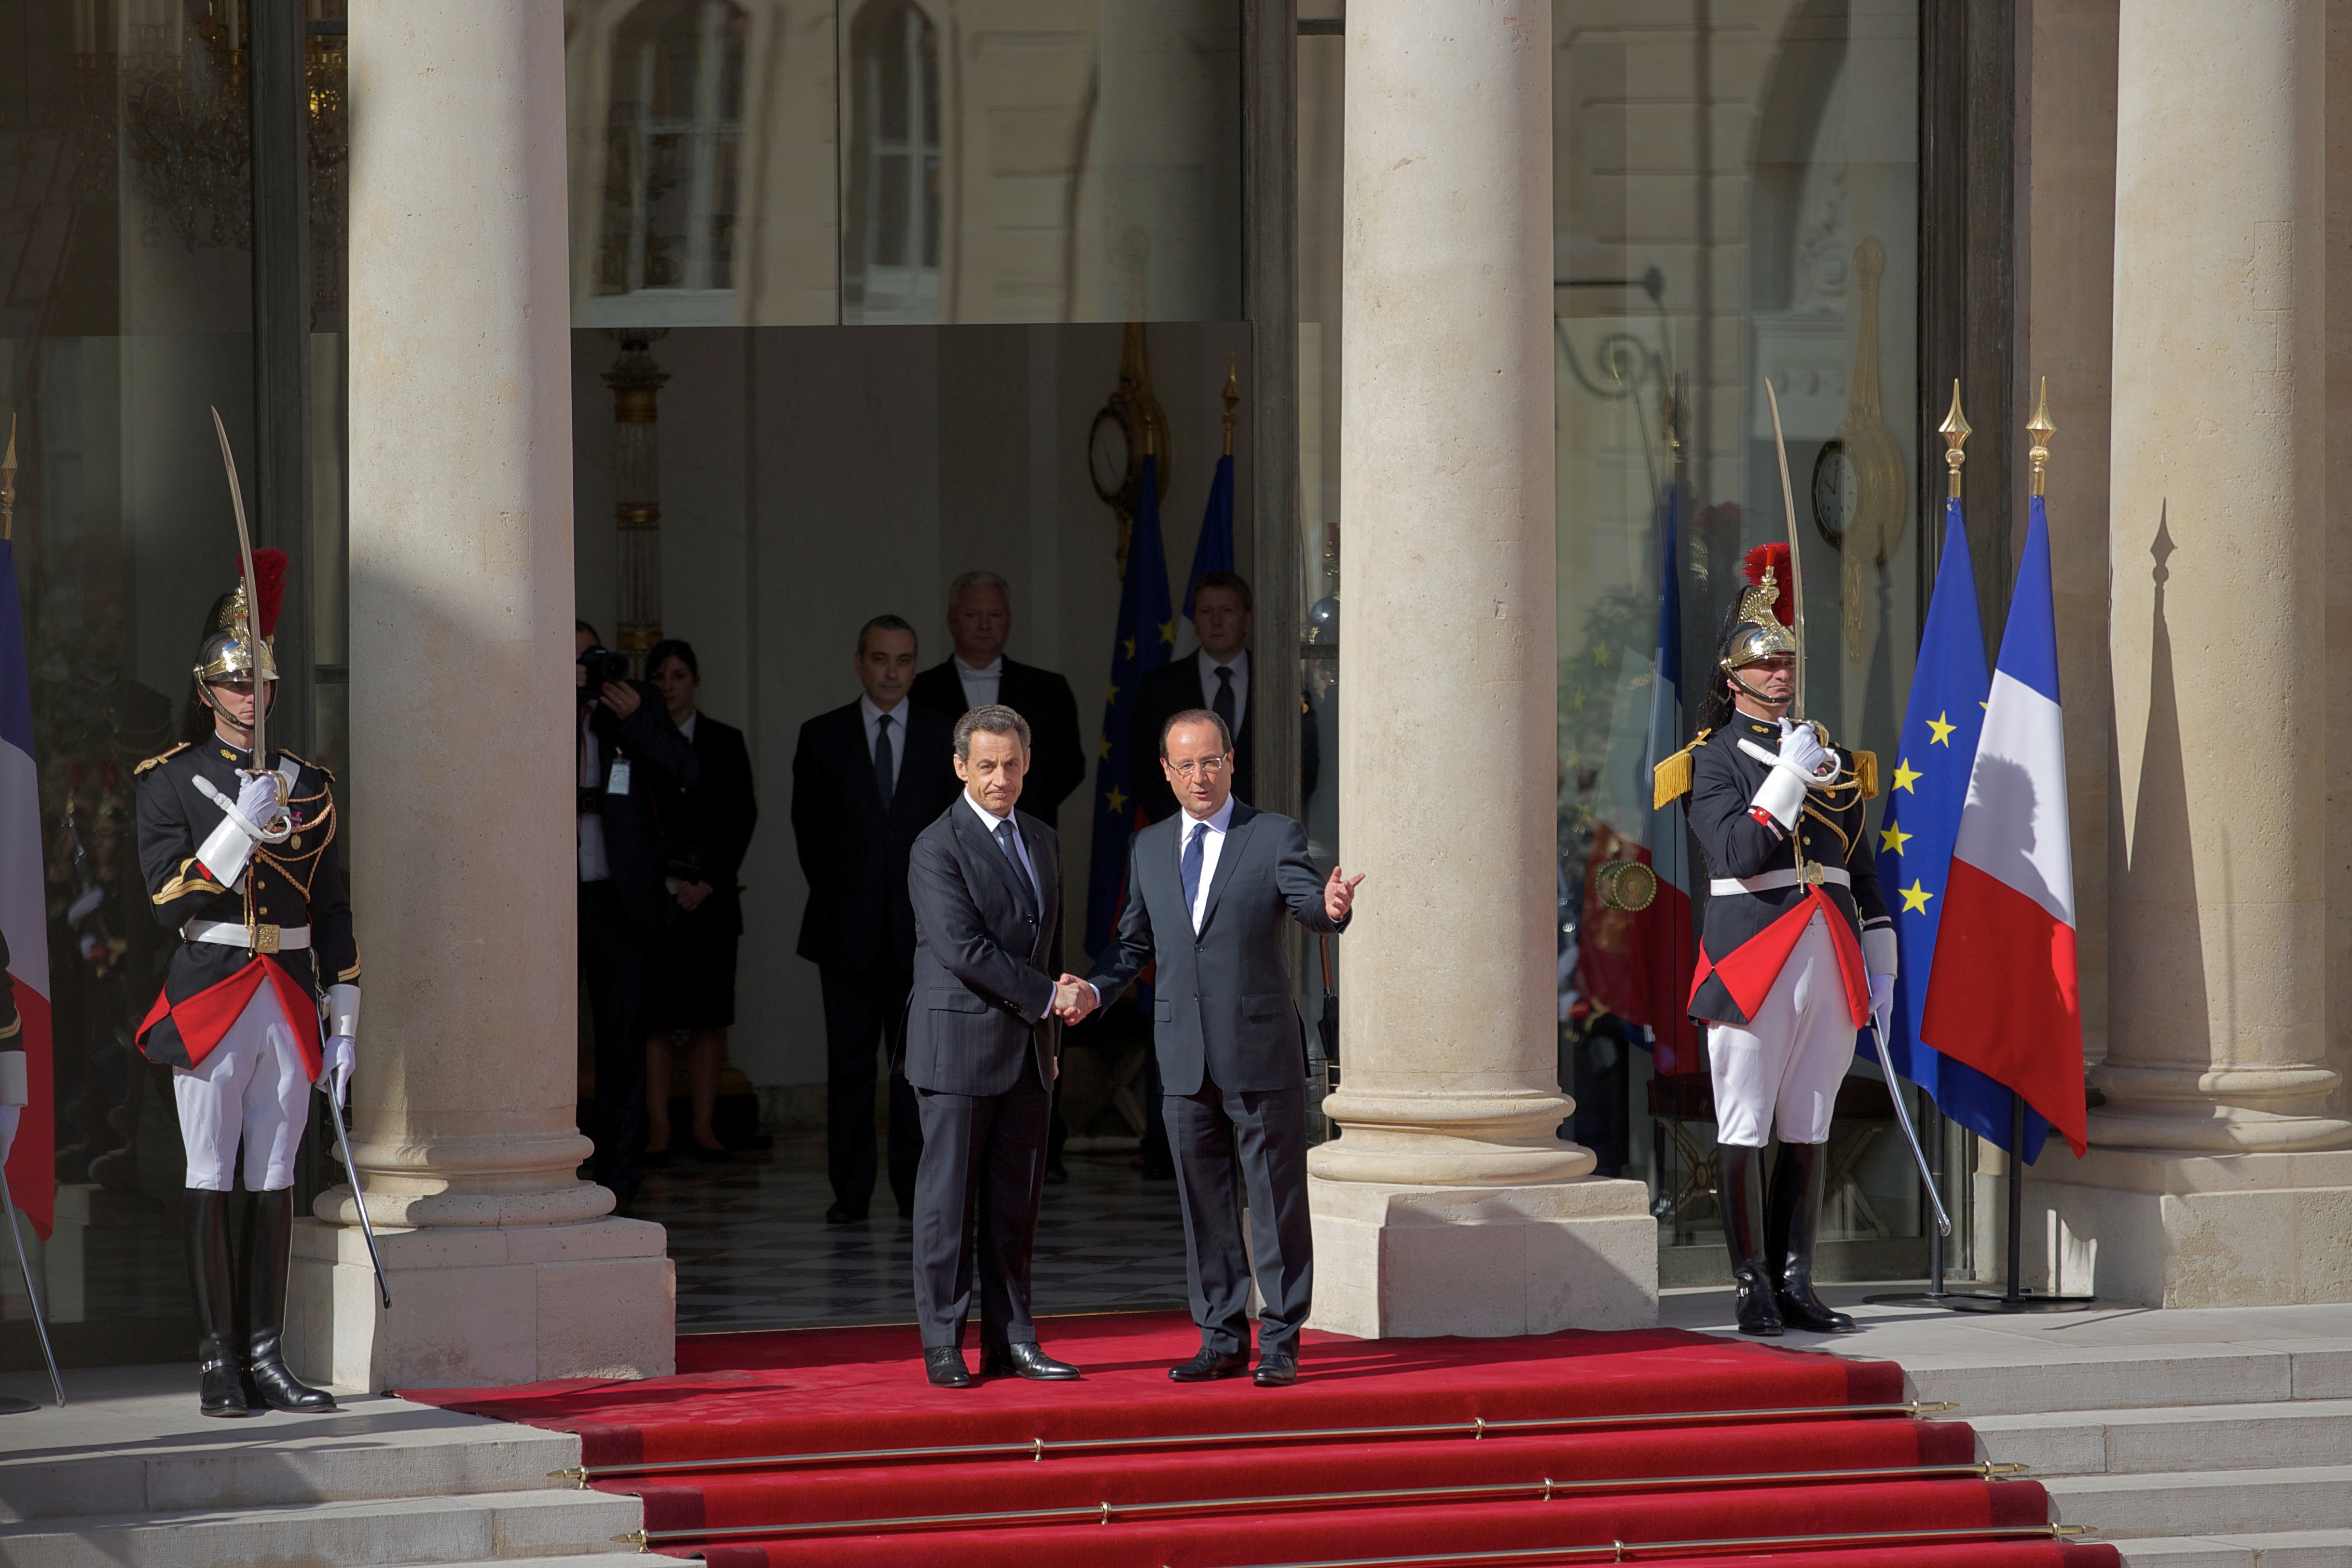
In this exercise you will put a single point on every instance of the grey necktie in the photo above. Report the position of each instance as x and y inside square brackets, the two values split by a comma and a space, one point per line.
[1004, 832]
[884, 762]
[1221, 705]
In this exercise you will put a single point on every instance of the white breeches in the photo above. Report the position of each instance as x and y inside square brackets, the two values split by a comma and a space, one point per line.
[254, 1087]
[1786, 1064]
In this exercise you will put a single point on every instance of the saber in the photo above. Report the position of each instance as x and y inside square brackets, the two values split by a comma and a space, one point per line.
[253, 611]
[359, 1199]
[25, 1264]
[1903, 1120]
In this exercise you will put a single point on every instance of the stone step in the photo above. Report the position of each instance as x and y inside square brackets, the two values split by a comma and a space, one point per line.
[2021, 1377]
[2278, 1549]
[2206, 1502]
[404, 1531]
[2175, 1437]
[132, 1440]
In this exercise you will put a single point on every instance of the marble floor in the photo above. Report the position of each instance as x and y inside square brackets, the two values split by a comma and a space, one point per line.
[753, 1250]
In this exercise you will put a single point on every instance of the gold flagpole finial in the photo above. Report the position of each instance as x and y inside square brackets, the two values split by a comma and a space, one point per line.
[1232, 396]
[2041, 430]
[1956, 430]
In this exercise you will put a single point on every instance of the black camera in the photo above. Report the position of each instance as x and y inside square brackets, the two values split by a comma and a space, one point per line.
[605, 667]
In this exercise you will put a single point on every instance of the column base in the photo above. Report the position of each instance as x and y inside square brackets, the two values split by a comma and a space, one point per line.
[1393, 1261]
[482, 1306]
[2164, 1230]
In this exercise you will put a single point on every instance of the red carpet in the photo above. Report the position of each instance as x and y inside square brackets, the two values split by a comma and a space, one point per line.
[1688, 1462]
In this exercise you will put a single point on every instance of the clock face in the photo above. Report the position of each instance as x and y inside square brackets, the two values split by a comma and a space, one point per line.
[1108, 454]
[1836, 491]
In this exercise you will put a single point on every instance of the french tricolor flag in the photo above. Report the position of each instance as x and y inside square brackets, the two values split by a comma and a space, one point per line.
[32, 1162]
[2002, 997]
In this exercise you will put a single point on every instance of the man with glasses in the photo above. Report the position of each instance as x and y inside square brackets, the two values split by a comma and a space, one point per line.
[1208, 891]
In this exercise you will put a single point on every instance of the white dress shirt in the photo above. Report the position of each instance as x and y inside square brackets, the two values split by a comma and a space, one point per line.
[1211, 847]
[989, 822]
[1239, 666]
[686, 726]
[980, 685]
[872, 716]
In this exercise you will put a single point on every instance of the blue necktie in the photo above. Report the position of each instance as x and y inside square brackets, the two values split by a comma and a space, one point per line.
[1193, 855]
[1004, 832]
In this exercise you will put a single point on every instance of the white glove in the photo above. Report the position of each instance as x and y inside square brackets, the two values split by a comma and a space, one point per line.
[257, 803]
[341, 1059]
[8, 1114]
[1802, 749]
[1883, 1007]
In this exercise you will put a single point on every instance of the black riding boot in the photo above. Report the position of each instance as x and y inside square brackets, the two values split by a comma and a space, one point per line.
[209, 1282]
[1800, 1183]
[1739, 1193]
[268, 1251]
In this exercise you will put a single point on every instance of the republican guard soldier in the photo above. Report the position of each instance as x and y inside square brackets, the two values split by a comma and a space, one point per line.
[1797, 949]
[240, 858]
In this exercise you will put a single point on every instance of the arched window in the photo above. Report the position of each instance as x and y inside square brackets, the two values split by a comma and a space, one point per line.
[891, 250]
[674, 149]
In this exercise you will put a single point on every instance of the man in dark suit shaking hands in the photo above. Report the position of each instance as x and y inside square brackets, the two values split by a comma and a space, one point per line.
[1207, 892]
[866, 778]
[982, 1045]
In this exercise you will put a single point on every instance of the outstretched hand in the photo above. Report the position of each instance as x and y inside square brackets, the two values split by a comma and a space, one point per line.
[1072, 998]
[1339, 894]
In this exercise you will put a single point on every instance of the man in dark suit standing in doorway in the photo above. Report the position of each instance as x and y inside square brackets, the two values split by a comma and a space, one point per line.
[979, 620]
[983, 1050]
[866, 778]
[1219, 679]
[1208, 891]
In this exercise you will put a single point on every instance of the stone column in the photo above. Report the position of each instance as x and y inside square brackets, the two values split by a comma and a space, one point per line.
[505, 1267]
[2199, 1189]
[1448, 1205]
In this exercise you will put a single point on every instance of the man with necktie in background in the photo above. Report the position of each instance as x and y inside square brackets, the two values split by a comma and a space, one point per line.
[1208, 892]
[866, 778]
[979, 620]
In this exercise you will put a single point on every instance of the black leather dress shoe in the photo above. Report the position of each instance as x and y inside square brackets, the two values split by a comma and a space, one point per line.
[1276, 1371]
[945, 1368]
[1210, 1365]
[1023, 1360]
[842, 1214]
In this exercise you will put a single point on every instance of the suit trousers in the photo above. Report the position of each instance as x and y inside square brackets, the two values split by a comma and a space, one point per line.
[1267, 1131]
[864, 1008]
[1784, 1067]
[983, 1171]
[614, 960]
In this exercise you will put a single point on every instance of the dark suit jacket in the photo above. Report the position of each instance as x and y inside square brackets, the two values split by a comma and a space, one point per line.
[1221, 999]
[1057, 759]
[659, 757]
[1174, 687]
[853, 854]
[981, 1009]
[710, 825]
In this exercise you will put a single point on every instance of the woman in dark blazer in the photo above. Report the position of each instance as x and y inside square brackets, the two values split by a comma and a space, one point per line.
[705, 831]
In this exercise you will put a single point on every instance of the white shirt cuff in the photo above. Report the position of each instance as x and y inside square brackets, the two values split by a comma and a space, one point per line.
[1880, 954]
[1783, 796]
[343, 1011]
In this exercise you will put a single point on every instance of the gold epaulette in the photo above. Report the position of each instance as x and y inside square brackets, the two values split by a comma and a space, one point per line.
[161, 757]
[1671, 780]
[1865, 765]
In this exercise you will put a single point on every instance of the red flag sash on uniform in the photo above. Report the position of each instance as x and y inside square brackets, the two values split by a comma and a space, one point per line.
[204, 1019]
[1747, 972]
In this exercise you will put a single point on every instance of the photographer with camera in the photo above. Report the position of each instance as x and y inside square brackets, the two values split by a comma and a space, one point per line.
[626, 746]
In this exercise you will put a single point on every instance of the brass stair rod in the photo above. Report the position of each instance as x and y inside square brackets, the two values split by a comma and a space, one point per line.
[1617, 1550]
[1038, 1448]
[1544, 1489]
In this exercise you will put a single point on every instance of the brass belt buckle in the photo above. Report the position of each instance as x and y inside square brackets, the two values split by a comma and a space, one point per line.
[1813, 876]
[265, 939]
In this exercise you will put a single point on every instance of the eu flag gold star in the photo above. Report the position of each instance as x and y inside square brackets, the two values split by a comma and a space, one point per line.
[1168, 632]
[1915, 898]
[1111, 695]
[1129, 646]
[1892, 838]
[1114, 801]
[1943, 735]
[1906, 775]
[1105, 746]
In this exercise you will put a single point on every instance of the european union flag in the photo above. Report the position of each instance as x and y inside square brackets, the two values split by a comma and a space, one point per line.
[1146, 635]
[1922, 818]
[1214, 552]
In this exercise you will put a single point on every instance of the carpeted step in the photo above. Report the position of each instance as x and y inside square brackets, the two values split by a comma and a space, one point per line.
[1260, 1478]
[1731, 1516]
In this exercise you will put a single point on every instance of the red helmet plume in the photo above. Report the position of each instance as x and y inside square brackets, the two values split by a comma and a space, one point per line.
[1772, 558]
[269, 582]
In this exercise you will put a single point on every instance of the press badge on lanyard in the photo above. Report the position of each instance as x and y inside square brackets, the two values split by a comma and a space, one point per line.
[617, 781]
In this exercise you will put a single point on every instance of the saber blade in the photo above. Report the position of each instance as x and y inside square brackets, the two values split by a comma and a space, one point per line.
[253, 600]
[359, 1199]
[24, 1265]
[1796, 562]
[1902, 1119]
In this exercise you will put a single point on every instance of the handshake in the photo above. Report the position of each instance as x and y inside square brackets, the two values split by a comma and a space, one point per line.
[1072, 998]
